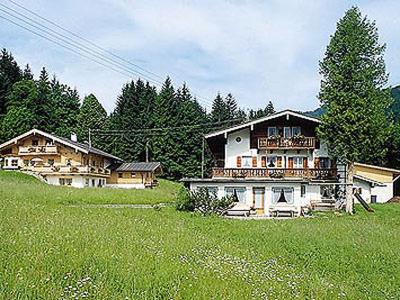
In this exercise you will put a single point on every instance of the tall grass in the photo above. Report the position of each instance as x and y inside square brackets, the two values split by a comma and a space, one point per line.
[50, 250]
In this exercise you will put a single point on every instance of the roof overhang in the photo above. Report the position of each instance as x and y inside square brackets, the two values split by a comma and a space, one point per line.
[395, 171]
[287, 113]
[369, 180]
[45, 134]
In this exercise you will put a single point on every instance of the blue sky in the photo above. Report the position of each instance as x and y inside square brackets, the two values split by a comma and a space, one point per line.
[257, 50]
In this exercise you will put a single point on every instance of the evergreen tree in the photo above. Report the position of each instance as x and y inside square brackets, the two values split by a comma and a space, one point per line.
[20, 116]
[43, 106]
[232, 107]
[10, 73]
[219, 110]
[27, 73]
[355, 125]
[166, 116]
[269, 110]
[92, 115]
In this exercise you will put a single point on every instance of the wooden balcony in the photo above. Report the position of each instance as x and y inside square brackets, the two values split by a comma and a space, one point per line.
[286, 143]
[46, 170]
[275, 173]
[35, 150]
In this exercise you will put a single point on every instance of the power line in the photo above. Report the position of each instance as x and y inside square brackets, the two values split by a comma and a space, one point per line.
[113, 61]
[81, 47]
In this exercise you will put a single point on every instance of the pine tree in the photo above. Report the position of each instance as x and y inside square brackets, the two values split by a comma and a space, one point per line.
[269, 110]
[10, 73]
[92, 115]
[20, 116]
[231, 106]
[43, 106]
[27, 73]
[355, 125]
[219, 110]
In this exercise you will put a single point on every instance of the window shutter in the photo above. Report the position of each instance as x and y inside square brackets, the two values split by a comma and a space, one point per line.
[263, 161]
[279, 162]
[316, 162]
[239, 161]
[305, 163]
[290, 162]
[254, 161]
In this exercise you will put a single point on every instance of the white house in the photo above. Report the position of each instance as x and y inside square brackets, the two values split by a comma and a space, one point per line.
[275, 164]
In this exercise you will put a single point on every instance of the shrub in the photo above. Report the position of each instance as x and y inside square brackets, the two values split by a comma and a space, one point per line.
[203, 201]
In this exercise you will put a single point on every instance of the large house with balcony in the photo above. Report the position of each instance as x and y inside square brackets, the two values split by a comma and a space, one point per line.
[61, 161]
[272, 164]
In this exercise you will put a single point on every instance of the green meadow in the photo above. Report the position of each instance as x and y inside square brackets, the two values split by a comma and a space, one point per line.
[54, 246]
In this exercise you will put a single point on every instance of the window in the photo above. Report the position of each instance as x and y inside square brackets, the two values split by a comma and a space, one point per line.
[93, 182]
[240, 193]
[238, 140]
[65, 181]
[247, 161]
[271, 161]
[283, 195]
[35, 142]
[327, 191]
[14, 162]
[298, 162]
[271, 131]
[296, 131]
[258, 201]
[133, 175]
[303, 190]
[49, 142]
[87, 181]
[324, 163]
[26, 162]
[254, 161]
[287, 132]
[119, 175]
[6, 162]
[69, 162]
[50, 161]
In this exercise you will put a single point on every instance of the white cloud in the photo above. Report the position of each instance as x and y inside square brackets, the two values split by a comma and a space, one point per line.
[258, 50]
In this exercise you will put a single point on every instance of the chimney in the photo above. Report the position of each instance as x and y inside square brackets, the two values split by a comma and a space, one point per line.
[74, 138]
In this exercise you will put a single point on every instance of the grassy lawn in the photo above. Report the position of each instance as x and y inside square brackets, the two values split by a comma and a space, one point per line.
[50, 250]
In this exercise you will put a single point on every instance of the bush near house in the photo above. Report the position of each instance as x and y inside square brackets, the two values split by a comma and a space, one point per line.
[203, 201]
[52, 250]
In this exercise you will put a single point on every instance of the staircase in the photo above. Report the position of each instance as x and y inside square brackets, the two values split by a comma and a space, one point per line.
[323, 205]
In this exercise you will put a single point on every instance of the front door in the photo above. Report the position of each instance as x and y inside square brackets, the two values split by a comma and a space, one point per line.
[259, 199]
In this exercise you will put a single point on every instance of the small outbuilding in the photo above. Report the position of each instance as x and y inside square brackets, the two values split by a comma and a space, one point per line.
[376, 184]
[135, 175]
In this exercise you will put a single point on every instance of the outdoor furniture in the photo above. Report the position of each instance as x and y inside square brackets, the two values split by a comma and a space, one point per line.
[283, 210]
[239, 209]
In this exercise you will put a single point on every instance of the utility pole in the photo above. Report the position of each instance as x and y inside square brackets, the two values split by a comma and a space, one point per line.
[90, 138]
[147, 150]
[202, 157]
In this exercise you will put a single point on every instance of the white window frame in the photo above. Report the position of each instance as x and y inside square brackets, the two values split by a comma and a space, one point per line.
[298, 162]
[284, 132]
[240, 192]
[276, 192]
[299, 130]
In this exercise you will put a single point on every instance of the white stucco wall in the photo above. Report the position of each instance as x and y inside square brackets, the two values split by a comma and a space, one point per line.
[382, 193]
[312, 191]
[127, 186]
[77, 181]
[234, 149]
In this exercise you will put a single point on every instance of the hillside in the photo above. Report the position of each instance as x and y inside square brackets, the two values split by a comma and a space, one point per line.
[51, 249]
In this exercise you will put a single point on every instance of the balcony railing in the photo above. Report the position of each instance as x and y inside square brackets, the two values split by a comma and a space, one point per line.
[309, 174]
[32, 150]
[68, 169]
[286, 143]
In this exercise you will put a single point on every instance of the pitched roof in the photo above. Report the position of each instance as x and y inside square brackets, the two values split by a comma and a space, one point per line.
[378, 168]
[260, 120]
[138, 167]
[369, 180]
[85, 148]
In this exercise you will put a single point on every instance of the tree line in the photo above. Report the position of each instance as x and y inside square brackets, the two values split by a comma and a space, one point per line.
[165, 125]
